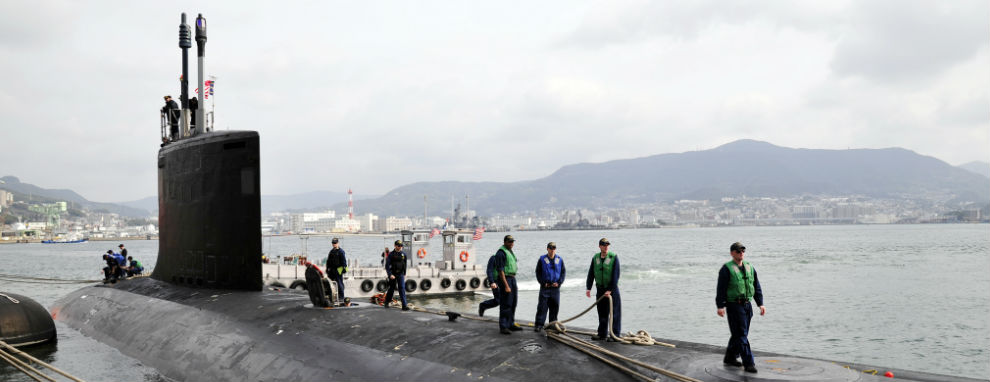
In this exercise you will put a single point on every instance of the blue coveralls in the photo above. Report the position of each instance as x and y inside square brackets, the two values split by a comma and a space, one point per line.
[549, 272]
[739, 314]
[492, 277]
[335, 260]
[121, 262]
[603, 304]
[507, 300]
[395, 265]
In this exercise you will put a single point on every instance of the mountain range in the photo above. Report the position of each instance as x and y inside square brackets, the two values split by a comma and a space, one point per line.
[13, 184]
[740, 168]
[982, 168]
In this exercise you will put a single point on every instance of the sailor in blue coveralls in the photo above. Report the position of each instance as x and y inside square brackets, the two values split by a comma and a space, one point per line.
[492, 277]
[550, 273]
[604, 273]
[737, 284]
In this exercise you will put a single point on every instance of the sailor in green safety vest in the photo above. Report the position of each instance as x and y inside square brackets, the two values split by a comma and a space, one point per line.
[737, 284]
[337, 265]
[505, 265]
[604, 273]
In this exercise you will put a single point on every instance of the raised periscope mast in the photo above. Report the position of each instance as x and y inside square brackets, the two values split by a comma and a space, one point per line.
[209, 197]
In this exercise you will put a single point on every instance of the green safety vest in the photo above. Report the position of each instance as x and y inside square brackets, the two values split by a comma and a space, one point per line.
[510, 261]
[603, 269]
[740, 284]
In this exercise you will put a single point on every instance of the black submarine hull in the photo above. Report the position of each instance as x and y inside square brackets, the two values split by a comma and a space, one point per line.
[276, 335]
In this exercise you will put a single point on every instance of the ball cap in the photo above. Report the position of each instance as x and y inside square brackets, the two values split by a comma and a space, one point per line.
[552, 245]
[603, 241]
[120, 246]
[737, 246]
[398, 243]
[334, 241]
[508, 239]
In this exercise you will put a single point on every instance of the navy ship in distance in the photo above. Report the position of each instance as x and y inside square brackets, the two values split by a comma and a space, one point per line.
[204, 314]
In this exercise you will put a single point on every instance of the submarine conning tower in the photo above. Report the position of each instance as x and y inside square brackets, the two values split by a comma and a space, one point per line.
[209, 211]
[209, 197]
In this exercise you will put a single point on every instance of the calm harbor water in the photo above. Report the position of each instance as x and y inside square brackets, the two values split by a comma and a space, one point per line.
[900, 296]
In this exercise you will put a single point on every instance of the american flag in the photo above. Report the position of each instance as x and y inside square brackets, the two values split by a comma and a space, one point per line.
[434, 232]
[477, 233]
[208, 85]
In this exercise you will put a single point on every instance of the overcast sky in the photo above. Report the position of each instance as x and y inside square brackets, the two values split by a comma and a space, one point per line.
[373, 95]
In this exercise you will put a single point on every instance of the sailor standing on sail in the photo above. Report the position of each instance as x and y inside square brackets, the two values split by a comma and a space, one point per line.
[171, 111]
[737, 284]
[337, 266]
[395, 267]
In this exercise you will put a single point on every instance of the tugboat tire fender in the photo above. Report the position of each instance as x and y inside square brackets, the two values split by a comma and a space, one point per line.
[475, 283]
[367, 285]
[460, 285]
[425, 285]
[298, 284]
[445, 283]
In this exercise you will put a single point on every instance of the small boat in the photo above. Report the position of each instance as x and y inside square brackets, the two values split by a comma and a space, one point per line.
[83, 240]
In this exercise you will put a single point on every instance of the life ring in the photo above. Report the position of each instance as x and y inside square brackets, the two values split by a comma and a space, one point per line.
[410, 285]
[367, 285]
[475, 282]
[464, 256]
[445, 283]
[382, 285]
[460, 285]
[425, 285]
[421, 253]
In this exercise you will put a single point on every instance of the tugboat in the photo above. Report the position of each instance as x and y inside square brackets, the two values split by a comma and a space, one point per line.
[455, 272]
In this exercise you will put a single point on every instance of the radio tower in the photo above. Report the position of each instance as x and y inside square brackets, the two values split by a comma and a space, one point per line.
[350, 204]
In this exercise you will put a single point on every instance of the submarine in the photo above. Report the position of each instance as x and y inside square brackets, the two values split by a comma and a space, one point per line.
[204, 313]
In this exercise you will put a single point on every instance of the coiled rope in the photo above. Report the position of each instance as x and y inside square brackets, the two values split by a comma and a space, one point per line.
[7, 353]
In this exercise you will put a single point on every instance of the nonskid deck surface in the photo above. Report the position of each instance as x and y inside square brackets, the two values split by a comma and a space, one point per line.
[278, 335]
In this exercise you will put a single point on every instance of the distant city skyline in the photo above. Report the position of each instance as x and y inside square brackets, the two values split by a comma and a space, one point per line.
[373, 96]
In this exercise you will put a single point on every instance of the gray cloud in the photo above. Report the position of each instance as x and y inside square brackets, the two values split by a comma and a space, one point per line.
[371, 97]
[908, 41]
